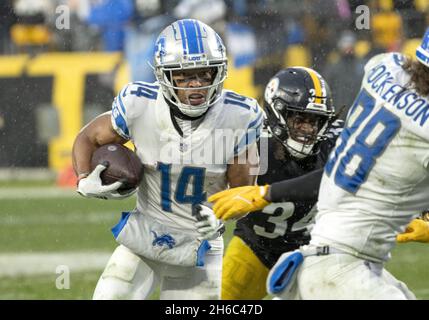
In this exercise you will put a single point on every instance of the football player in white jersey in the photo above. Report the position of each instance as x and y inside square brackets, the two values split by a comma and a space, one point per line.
[375, 182]
[191, 136]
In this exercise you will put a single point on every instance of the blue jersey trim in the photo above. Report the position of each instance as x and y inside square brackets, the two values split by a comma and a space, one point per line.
[250, 137]
[124, 91]
[237, 103]
[201, 253]
[116, 230]
[252, 124]
[120, 122]
[122, 105]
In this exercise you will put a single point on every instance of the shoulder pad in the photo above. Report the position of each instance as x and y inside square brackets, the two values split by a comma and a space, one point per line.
[396, 57]
[130, 103]
[141, 89]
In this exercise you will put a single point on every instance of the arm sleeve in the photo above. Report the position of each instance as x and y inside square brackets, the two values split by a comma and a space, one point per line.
[120, 119]
[303, 188]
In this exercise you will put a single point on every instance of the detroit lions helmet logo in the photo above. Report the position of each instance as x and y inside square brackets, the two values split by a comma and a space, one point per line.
[160, 48]
[162, 240]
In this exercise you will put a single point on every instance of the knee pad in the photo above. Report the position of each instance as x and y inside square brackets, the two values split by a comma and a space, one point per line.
[122, 265]
[126, 276]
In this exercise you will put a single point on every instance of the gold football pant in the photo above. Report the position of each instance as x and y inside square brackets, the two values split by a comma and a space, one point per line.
[243, 276]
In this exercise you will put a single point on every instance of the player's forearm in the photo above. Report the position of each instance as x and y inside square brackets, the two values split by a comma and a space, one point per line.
[238, 175]
[83, 149]
[97, 133]
[244, 174]
[303, 188]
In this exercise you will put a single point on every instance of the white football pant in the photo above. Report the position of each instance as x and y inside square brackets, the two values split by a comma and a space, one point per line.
[343, 276]
[128, 276]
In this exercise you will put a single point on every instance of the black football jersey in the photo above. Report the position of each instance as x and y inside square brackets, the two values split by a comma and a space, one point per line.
[282, 227]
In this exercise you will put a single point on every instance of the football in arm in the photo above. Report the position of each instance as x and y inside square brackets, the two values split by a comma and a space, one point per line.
[124, 165]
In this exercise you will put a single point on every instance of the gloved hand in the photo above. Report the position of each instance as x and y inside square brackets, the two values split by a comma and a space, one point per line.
[417, 230]
[237, 202]
[92, 187]
[207, 225]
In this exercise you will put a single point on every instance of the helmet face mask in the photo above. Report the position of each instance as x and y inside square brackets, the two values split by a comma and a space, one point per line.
[185, 46]
[299, 110]
[192, 87]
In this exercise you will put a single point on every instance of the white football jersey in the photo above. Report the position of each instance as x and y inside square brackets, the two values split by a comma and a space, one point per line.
[376, 179]
[180, 171]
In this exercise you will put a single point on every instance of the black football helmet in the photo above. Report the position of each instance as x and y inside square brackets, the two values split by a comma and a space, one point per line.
[299, 110]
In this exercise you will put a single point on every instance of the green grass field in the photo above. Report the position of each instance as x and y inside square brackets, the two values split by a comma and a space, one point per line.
[42, 227]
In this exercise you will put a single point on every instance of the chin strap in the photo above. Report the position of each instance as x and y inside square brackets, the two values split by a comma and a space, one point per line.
[177, 113]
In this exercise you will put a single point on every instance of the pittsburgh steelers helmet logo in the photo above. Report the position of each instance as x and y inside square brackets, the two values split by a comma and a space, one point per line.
[271, 89]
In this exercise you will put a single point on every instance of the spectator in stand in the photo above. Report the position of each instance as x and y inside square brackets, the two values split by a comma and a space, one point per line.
[387, 26]
[345, 74]
[111, 18]
[31, 33]
[321, 20]
[413, 17]
[7, 18]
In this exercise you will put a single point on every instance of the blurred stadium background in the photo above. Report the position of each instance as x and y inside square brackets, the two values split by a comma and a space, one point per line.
[62, 62]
